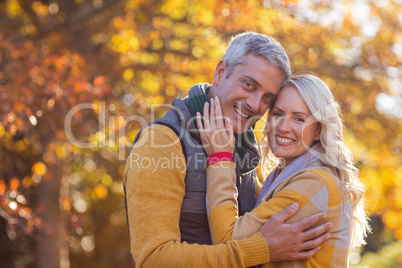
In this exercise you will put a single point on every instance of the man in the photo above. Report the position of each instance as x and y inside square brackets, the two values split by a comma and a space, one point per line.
[165, 171]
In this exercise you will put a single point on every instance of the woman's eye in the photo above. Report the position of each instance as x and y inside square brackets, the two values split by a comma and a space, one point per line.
[277, 114]
[298, 119]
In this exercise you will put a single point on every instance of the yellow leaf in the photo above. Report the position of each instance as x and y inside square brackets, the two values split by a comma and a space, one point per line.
[27, 182]
[398, 233]
[21, 145]
[390, 219]
[39, 168]
[171, 91]
[2, 187]
[40, 9]
[61, 152]
[66, 203]
[100, 191]
[107, 180]
[14, 183]
[128, 74]
[2, 131]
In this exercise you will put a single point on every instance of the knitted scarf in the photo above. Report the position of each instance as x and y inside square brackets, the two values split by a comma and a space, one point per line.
[246, 152]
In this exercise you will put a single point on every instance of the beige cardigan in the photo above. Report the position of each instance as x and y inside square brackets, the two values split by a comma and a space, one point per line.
[316, 189]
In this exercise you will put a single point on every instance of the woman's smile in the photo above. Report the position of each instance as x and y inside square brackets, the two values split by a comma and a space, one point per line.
[283, 140]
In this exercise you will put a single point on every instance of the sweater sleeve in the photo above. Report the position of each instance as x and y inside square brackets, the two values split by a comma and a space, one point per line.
[309, 189]
[154, 180]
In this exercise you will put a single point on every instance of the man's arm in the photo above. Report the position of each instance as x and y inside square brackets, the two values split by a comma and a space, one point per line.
[154, 181]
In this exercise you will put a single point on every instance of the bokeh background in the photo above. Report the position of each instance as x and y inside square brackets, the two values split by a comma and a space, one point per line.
[105, 64]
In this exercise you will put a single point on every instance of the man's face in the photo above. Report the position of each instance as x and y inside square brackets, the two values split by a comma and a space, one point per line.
[248, 92]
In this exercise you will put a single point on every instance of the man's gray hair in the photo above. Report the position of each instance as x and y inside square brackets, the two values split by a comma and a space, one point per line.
[259, 45]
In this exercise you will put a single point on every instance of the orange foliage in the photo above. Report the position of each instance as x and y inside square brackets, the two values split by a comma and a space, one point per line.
[141, 53]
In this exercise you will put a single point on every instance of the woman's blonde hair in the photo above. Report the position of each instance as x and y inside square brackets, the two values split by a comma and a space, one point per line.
[331, 149]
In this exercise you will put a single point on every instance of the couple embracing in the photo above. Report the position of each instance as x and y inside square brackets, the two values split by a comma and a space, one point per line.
[309, 210]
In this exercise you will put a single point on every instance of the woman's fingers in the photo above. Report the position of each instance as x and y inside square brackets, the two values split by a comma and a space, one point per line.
[200, 126]
[212, 115]
[203, 131]
[216, 135]
[206, 117]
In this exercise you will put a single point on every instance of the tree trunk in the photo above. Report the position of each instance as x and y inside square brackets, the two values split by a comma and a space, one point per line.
[49, 245]
[6, 253]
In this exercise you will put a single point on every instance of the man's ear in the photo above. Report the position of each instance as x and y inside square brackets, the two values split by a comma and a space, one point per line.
[220, 72]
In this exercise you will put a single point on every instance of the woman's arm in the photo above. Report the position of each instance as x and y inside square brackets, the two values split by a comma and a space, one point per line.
[222, 203]
[308, 189]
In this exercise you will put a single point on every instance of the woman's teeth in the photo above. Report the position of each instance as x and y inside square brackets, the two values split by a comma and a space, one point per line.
[241, 113]
[284, 140]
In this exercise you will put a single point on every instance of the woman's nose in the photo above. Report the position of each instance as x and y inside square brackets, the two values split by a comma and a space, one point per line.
[283, 125]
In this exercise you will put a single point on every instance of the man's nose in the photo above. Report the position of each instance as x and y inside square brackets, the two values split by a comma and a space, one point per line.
[254, 103]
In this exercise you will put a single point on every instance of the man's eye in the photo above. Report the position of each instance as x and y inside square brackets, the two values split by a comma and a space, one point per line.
[247, 85]
[268, 99]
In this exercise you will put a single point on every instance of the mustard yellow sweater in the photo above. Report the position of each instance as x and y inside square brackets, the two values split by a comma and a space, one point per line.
[154, 190]
[315, 189]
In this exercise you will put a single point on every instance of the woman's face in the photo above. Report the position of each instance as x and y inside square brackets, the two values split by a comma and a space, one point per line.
[292, 128]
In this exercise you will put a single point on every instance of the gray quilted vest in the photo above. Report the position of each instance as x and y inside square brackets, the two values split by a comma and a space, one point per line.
[193, 224]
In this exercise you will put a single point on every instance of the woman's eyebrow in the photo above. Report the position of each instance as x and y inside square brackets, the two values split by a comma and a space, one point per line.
[300, 113]
[275, 107]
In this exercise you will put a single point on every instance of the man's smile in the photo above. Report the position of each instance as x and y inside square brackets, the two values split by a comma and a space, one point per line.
[238, 111]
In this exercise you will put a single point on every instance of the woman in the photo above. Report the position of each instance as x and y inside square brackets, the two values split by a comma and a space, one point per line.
[304, 131]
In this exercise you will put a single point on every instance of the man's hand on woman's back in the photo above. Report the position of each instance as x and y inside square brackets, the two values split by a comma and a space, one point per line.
[296, 241]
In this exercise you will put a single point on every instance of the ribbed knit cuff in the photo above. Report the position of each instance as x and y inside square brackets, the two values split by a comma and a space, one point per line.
[255, 250]
[218, 157]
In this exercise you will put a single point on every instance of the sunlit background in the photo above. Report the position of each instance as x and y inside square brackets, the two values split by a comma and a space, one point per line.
[107, 66]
